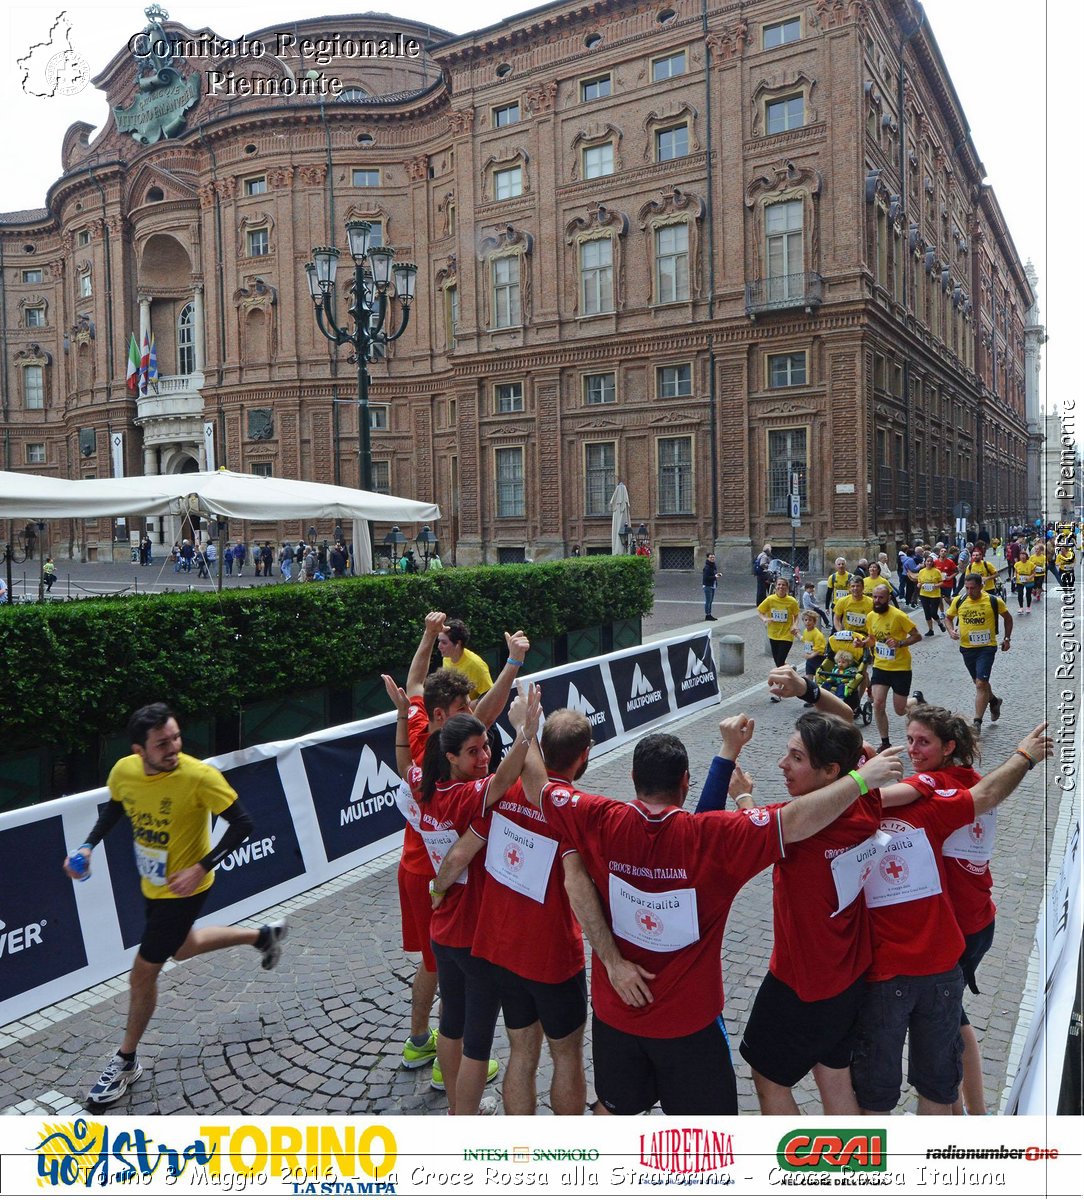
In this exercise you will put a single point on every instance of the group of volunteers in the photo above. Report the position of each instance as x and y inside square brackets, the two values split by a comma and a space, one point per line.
[503, 872]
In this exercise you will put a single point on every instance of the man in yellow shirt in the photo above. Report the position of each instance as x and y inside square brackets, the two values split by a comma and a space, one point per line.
[169, 798]
[986, 571]
[889, 634]
[1064, 565]
[850, 620]
[839, 581]
[452, 644]
[979, 615]
[779, 612]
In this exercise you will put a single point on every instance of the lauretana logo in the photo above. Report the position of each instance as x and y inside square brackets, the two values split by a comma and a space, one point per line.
[833, 1150]
[686, 1151]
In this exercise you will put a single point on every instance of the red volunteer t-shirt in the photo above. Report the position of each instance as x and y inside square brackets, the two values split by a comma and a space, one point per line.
[665, 880]
[920, 937]
[415, 857]
[816, 954]
[537, 938]
[948, 568]
[456, 807]
[970, 884]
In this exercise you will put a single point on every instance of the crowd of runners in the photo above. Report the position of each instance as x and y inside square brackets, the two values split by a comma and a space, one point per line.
[507, 867]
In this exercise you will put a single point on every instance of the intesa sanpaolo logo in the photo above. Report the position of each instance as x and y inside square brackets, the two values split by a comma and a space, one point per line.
[833, 1150]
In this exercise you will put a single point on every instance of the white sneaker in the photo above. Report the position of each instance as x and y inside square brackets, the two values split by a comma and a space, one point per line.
[274, 934]
[488, 1106]
[114, 1081]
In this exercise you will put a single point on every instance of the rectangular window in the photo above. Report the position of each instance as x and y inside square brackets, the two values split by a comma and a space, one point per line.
[672, 382]
[781, 115]
[35, 318]
[597, 276]
[786, 455]
[510, 493]
[596, 88]
[600, 477]
[85, 285]
[262, 469]
[451, 313]
[382, 478]
[668, 67]
[506, 292]
[507, 114]
[508, 184]
[365, 178]
[598, 161]
[258, 243]
[787, 370]
[256, 187]
[782, 32]
[783, 230]
[35, 452]
[509, 397]
[33, 275]
[600, 389]
[671, 263]
[34, 387]
[83, 237]
[378, 416]
[676, 475]
[671, 143]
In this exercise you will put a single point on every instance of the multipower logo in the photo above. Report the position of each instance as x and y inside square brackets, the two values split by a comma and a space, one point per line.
[374, 788]
[833, 1150]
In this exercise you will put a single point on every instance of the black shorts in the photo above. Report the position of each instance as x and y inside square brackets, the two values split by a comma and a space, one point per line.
[560, 1007]
[931, 607]
[786, 1037]
[470, 999]
[898, 681]
[690, 1075]
[169, 922]
[975, 947]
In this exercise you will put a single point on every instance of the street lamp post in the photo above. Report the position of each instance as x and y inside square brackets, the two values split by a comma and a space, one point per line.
[427, 545]
[374, 275]
[28, 539]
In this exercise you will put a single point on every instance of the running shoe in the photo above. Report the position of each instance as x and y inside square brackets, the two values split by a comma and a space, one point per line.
[487, 1107]
[995, 708]
[114, 1081]
[976, 727]
[417, 1056]
[940, 624]
[929, 633]
[437, 1083]
[774, 699]
[270, 942]
[919, 697]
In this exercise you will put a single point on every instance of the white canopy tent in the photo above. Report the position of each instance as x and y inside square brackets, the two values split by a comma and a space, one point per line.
[211, 493]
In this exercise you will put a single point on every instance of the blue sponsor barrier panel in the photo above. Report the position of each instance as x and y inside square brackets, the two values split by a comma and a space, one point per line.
[321, 805]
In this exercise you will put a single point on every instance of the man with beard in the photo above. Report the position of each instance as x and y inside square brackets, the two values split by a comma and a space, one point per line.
[889, 634]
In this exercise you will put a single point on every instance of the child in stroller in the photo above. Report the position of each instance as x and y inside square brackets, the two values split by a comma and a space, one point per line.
[844, 678]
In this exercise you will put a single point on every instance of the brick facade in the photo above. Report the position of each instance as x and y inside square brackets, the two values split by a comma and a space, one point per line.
[683, 252]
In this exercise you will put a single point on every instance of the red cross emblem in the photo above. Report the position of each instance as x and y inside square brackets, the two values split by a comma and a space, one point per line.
[977, 830]
[894, 870]
[648, 923]
[513, 858]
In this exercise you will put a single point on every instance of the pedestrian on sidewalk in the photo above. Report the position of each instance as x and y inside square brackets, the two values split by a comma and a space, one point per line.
[710, 581]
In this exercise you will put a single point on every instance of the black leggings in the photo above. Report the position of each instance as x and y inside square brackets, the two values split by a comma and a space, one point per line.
[780, 650]
[1022, 590]
[470, 999]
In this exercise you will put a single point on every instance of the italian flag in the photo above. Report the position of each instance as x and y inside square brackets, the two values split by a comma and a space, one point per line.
[132, 378]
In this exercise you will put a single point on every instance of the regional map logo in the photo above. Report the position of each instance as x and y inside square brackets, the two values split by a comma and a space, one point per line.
[53, 67]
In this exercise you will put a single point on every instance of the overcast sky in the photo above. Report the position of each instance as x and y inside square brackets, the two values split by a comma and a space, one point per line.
[996, 50]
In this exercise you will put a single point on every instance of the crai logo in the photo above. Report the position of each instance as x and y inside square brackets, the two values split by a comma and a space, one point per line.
[579, 703]
[85, 1153]
[375, 787]
[833, 1150]
[16, 938]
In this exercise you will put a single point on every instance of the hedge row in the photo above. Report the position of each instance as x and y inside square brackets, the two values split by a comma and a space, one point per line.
[74, 670]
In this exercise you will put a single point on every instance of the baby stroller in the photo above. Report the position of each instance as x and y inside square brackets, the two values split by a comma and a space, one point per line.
[848, 682]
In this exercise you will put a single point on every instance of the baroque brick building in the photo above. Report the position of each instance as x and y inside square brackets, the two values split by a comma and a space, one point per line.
[699, 248]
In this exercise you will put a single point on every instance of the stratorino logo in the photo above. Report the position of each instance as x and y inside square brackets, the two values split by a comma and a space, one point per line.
[833, 1150]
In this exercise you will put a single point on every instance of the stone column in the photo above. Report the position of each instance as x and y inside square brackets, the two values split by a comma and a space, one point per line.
[197, 328]
[144, 321]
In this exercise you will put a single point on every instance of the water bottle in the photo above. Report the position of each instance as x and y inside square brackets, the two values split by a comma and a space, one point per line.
[80, 864]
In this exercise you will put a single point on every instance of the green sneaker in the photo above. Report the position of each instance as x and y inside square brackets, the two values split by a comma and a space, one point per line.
[418, 1056]
[437, 1083]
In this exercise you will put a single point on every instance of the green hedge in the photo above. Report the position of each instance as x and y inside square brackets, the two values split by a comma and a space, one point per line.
[74, 670]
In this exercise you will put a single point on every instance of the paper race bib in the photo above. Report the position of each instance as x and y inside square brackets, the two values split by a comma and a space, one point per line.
[519, 859]
[151, 863]
[654, 920]
[856, 620]
[843, 635]
[853, 867]
[779, 614]
[438, 842]
[973, 843]
[907, 870]
[883, 650]
[930, 589]
[979, 637]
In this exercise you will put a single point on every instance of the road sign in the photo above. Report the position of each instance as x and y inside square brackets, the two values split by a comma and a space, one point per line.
[795, 506]
[794, 486]
[795, 523]
[961, 509]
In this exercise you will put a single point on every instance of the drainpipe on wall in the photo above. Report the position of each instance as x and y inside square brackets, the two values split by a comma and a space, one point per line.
[709, 231]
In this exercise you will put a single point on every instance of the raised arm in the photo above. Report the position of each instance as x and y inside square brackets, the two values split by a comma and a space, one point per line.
[785, 681]
[454, 863]
[734, 733]
[419, 664]
[629, 979]
[989, 792]
[491, 705]
[525, 714]
[809, 814]
[402, 742]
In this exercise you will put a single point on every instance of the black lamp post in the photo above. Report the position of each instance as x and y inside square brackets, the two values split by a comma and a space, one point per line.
[641, 535]
[373, 275]
[392, 542]
[427, 545]
[27, 541]
[626, 537]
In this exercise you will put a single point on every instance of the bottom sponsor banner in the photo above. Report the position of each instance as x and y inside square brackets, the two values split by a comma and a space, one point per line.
[619, 1157]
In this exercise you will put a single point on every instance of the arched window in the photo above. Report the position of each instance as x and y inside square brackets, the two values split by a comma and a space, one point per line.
[186, 340]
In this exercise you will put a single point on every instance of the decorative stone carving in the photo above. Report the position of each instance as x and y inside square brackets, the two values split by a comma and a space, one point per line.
[669, 202]
[313, 174]
[728, 46]
[542, 98]
[778, 86]
[279, 177]
[461, 121]
[418, 167]
[595, 135]
[654, 121]
[518, 156]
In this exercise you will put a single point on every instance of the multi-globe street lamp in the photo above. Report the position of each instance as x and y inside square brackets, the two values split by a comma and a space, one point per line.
[376, 282]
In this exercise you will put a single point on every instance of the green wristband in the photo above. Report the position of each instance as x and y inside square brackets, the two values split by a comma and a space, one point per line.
[863, 787]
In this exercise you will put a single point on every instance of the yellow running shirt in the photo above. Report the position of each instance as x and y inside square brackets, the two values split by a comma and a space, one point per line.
[975, 620]
[890, 624]
[781, 612]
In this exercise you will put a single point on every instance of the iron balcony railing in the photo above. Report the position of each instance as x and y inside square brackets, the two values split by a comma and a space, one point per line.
[802, 290]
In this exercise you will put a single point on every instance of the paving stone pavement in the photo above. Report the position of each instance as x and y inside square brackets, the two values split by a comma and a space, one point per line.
[323, 1032]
